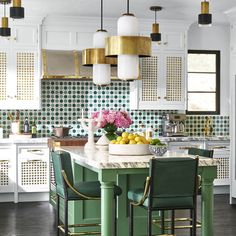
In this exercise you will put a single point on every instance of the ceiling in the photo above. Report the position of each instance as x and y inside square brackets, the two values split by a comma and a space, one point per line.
[173, 9]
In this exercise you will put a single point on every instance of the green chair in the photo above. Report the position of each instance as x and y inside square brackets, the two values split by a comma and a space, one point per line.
[201, 152]
[70, 190]
[172, 184]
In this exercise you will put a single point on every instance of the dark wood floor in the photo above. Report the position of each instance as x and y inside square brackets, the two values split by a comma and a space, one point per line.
[37, 219]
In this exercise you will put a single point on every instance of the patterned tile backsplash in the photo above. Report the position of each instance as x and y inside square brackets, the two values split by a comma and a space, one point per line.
[63, 100]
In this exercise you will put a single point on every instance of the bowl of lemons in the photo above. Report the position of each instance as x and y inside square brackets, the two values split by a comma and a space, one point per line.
[129, 144]
[157, 148]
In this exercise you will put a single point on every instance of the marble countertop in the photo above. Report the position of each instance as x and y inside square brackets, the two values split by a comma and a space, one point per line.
[26, 140]
[195, 138]
[102, 160]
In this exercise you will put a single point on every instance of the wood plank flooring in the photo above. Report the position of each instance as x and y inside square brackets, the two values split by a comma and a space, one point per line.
[37, 219]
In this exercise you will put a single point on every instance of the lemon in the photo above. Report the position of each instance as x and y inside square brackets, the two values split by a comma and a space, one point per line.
[122, 142]
[113, 141]
[119, 138]
[132, 141]
[140, 142]
[131, 137]
[126, 140]
[125, 135]
[137, 139]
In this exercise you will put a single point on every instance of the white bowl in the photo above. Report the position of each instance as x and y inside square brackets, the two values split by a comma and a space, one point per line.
[129, 149]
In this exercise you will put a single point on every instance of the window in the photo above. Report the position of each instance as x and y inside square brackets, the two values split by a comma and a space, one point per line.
[203, 82]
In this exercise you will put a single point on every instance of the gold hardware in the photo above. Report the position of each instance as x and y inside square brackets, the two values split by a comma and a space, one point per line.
[4, 161]
[145, 193]
[74, 190]
[34, 161]
[81, 233]
[219, 147]
[186, 147]
[16, 3]
[45, 68]
[205, 7]
[155, 28]
[5, 1]
[93, 56]
[165, 43]
[131, 45]
[159, 97]
[4, 22]
[76, 57]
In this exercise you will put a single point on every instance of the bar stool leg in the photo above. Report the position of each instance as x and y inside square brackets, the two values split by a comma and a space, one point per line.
[162, 222]
[115, 220]
[58, 215]
[149, 222]
[194, 228]
[131, 220]
[172, 222]
[66, 217]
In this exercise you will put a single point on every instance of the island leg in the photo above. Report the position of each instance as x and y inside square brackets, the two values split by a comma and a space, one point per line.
[209, 173]
[107, 202]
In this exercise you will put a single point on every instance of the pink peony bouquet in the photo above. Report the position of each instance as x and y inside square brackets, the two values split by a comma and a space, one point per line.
[112, 118]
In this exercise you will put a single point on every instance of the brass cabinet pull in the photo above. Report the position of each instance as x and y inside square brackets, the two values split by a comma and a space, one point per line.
[219, 147]
[3, 161]
[186, 148]
[34, 160]
[159, 97]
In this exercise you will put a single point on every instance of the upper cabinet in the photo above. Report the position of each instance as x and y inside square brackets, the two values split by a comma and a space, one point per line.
[19, 69]
[163, 76]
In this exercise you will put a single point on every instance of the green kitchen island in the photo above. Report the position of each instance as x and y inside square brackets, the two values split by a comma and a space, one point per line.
[127, 172]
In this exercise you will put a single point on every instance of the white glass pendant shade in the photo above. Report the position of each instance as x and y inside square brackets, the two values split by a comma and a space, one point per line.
[99, 39]
[101, 72]
[128, 65]
[127, 25]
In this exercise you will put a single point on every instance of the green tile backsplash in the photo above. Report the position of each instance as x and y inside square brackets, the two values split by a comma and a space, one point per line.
[62, 102]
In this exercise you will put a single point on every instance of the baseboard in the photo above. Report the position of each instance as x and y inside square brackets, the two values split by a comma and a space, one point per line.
[224, 189]
[25, 197]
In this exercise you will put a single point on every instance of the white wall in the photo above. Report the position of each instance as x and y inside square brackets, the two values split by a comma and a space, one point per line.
[216, 37]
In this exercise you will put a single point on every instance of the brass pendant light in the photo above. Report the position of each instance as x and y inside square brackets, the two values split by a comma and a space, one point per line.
[96, 57]
[16, 12]
[128, 46]
[155, 35]
[5, 31]
[205, 18]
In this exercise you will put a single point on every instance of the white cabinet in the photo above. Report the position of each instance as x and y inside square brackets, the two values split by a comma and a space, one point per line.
[7, 169]
[221, 153]
[163, 83]
[19, 70]
[33, 169]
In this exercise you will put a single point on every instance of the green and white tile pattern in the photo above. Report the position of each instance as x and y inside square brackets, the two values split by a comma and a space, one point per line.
[62, 102]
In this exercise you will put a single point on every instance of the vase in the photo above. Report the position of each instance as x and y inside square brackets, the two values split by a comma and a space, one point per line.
[110, 131]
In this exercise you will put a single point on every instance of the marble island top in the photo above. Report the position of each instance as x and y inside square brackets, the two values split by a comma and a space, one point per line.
[102, 160]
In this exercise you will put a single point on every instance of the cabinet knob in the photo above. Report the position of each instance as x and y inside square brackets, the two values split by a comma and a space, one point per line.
[159, 97]
[165, 43]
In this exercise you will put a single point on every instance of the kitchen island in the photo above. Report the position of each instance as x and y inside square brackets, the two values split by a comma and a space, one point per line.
[125, 171]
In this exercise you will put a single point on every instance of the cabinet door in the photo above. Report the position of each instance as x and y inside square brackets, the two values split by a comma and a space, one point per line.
[33, 169]
[24, 37]
[173, 41]
[151, 84]
[174, 77]
[22, 82]
[4, 62]
[7, 169]
[221, 153]
[180, 147]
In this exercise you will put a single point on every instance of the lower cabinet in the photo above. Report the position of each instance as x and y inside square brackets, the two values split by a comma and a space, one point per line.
[24, 172]
[7, 169]
[33, 169]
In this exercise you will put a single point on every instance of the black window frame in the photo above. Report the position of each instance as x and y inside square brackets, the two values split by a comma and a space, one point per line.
[217, 91]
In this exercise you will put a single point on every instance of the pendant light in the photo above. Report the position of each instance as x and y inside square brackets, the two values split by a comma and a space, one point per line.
[5, 31]
[96, 57]
[155, 35]
[204, 19]
[17, 12]
[128, 46]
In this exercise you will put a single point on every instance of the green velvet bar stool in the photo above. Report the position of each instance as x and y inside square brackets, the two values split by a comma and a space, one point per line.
[172, 184]
[70, 190]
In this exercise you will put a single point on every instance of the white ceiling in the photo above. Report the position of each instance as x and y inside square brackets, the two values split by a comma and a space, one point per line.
[173, 9]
